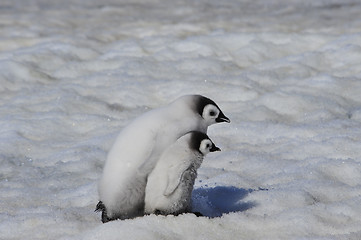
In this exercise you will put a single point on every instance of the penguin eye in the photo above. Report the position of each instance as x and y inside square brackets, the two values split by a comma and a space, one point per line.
[212, 113]
[208, 145]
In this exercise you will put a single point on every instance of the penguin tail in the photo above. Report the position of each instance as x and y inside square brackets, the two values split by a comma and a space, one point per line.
[101, 208]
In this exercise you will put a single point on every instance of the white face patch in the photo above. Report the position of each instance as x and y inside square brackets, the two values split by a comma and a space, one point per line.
[210, 113]
[205, 146]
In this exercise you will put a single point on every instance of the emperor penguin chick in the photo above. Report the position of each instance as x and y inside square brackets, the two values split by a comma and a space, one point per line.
[170, 184]
[139, 146]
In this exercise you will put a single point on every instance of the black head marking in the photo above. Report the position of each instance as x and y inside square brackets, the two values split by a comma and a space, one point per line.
[196, 139]
[202, 101]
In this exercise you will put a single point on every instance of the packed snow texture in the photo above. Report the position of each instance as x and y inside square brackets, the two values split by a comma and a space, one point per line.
[73, 73]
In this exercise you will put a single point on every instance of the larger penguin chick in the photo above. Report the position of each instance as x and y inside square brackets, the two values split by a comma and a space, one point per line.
[139, 146]
[170, 184]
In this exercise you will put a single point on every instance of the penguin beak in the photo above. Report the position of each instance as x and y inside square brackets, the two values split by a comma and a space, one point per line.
[214, 148]
[222, 118]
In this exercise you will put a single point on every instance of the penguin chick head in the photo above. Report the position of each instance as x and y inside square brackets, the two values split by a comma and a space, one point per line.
[209, 111]
[202, 143]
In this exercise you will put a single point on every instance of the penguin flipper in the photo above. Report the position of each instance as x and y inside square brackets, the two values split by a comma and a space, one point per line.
[175, 175]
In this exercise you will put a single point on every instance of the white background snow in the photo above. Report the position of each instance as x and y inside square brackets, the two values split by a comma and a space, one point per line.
[287, 74]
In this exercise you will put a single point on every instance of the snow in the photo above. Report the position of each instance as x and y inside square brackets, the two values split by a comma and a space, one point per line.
[287, 74]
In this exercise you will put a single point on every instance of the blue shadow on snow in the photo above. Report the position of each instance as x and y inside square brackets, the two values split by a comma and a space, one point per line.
[214, 202]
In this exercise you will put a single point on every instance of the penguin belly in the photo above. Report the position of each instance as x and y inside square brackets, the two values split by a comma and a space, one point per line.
[177, 203]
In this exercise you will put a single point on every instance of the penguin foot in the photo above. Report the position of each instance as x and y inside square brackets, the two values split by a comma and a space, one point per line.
[164, 213]
[198, 214]
[159, 212]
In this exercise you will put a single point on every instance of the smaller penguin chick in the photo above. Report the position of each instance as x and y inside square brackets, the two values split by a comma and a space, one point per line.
[170, 184]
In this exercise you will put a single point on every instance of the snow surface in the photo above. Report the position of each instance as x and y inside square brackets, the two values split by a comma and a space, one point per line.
[287, 73]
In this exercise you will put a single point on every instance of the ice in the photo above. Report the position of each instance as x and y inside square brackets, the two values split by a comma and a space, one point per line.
[73, 73]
